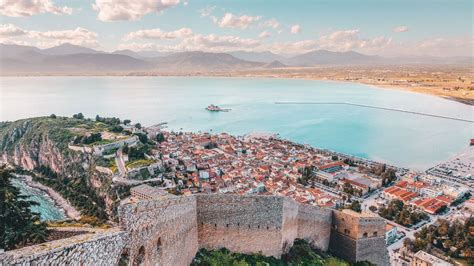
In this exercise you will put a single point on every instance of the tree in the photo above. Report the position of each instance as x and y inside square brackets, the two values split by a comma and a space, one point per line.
[355, 206]
[160, 137]
[126, 121]
[19, 224]
[138, 125]
[78, 116]
[52, 116]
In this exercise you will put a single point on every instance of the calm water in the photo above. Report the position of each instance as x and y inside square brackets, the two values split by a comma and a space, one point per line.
[398, 138]
[46, 208]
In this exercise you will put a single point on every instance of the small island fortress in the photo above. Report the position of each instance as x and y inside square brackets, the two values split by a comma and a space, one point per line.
[163, 229]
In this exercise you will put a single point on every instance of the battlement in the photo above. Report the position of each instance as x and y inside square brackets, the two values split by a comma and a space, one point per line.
[153, 232]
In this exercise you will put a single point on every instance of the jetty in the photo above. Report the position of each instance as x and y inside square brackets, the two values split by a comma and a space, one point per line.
[382, 108]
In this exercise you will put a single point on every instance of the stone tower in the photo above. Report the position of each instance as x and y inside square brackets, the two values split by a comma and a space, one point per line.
[358, 237]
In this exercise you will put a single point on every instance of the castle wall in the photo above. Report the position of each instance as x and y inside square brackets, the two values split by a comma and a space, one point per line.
[313, 225]
[372, 249]
[169, 231]
[289, 224]
[240, 223]
[358, 237]
[162, 232]
[103, 247]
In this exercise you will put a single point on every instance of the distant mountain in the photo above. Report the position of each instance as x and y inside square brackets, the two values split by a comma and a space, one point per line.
[73, 59]
[274, 64]
[15, 51]
[141, 54]
[265, 57]
[128, 53]
[74, 64]
[324, 57]
[202, 61]
[67, 49]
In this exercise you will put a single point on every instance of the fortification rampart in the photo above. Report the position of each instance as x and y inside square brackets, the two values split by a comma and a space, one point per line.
[313, 224]
[170, 230]
[101, 247]
[162, 232]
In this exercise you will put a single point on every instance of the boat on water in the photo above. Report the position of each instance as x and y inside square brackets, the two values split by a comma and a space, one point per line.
[215, 108]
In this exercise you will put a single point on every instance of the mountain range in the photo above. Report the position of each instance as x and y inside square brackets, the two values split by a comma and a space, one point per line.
[73, 59]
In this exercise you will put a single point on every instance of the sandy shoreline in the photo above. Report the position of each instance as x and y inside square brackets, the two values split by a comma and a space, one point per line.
[414, 89]
[61, 202]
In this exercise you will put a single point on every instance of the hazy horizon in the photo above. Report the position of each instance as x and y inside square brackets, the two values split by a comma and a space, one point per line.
[441, 28]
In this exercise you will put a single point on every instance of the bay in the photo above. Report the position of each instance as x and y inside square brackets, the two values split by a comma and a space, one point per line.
[401, 139]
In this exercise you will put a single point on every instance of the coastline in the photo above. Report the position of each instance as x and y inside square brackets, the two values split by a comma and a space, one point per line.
[419, 90]
[62, 203]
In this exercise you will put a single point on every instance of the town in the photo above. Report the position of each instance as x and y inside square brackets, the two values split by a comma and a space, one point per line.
[185, 163]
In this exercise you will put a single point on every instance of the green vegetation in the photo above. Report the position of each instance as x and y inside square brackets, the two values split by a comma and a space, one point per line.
[19, 226]
[402, 214]
[349, 189]
[355, 206]
[27, 132]
[454, 239]
[92, 138]
[388, 175]
[138, 163]
[136, 153]
[300, 253]
[112, 121]
[160, 137]
[76, 190]
[104, 162]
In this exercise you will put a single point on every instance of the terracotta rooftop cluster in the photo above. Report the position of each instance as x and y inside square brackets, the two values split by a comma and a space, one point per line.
[224, 163]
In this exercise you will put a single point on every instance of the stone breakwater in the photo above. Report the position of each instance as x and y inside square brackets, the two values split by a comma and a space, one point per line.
[170, 231]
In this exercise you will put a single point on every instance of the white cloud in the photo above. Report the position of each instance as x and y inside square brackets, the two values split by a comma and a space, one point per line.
[264, 34]
[232, 21]
[295, 29]
[8, 30]
[159, 34]
[214, 42]
[43, 39]
[112, 10]
[291, 47]
[400, 29]
[346, 40]
[26, 8]
[271, 23]
[207, 11]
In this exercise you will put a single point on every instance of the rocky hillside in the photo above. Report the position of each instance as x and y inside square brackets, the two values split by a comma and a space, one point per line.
[40, 145]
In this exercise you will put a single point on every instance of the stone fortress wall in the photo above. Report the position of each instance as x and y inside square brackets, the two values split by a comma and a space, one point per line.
[357, 237]
[162, 232]
[101, 247]
[170, 231]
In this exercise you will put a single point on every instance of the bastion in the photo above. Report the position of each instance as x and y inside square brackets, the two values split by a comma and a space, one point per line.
[170, 230]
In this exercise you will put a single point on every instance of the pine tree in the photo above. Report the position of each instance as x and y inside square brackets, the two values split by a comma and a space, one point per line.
[19, 225]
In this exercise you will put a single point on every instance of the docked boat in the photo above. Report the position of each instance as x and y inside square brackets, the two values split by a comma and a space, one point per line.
[215, 108]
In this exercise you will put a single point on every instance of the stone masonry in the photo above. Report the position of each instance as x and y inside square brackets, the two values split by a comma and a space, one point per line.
[169, 231]
[359, 237]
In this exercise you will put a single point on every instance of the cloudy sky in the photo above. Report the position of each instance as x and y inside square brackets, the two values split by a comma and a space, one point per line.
[384, 27]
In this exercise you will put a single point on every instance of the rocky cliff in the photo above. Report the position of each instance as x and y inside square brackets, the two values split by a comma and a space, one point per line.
[41, 145]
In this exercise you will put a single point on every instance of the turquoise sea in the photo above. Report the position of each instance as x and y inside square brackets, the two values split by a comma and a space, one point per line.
[400, 139]
[47, 209]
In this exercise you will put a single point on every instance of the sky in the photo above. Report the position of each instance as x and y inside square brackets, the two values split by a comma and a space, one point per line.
[382, 27]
